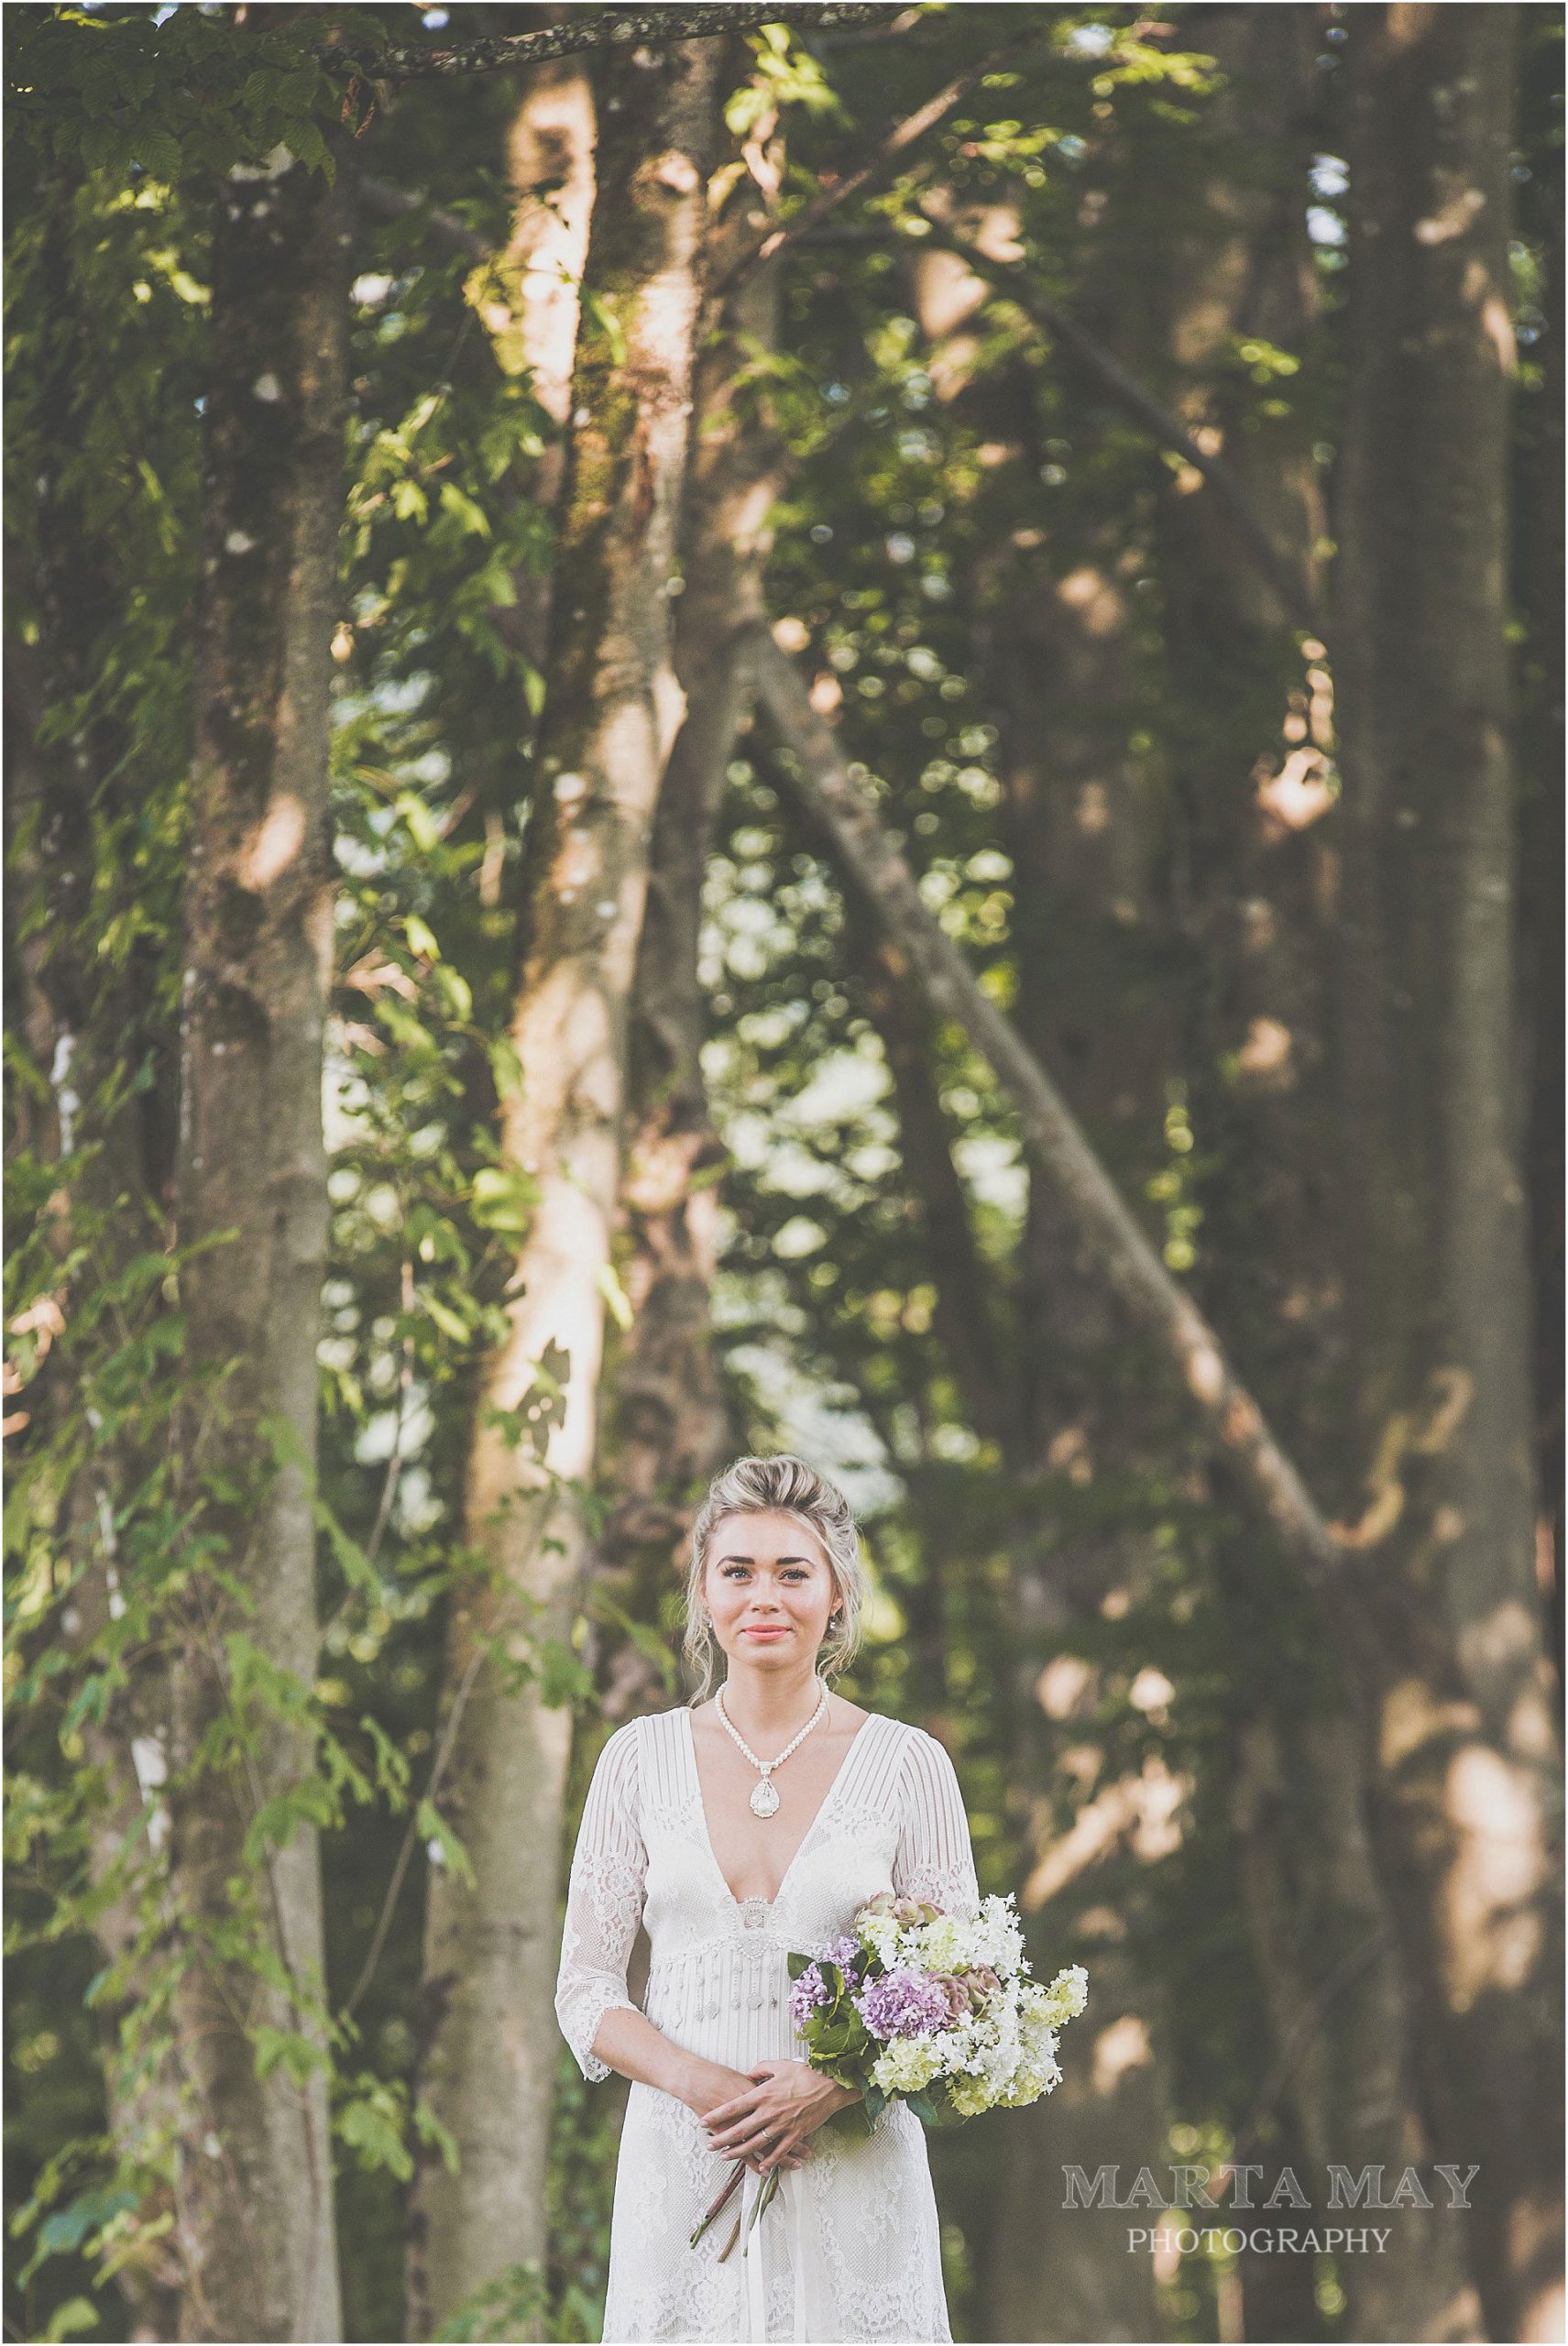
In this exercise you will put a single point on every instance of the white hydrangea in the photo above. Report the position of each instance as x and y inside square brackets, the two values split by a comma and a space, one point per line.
[907, 2064]
[943, 1945]
[879, 1935]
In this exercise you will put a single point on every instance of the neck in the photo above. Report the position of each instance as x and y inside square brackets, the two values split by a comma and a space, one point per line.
[764, 1702]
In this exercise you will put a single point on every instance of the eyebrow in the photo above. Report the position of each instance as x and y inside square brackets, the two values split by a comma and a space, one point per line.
[778, 1560]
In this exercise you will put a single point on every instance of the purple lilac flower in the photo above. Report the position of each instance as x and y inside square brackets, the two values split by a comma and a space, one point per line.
[809, 1991]
[843, 1951]
[903, 2003]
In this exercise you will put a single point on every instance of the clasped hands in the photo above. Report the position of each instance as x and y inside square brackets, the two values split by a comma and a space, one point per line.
[768, 2123]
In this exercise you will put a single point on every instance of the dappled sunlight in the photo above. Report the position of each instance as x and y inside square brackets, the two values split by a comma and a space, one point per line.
[1452, 217]
[1450, 1392]
[1141, 1811]
[1410, 1716]
[1119, 2049]
[1266, 1056]
[1498, 325]
[1152, 1692]
[1092, 811]
[1531, 1729]
[579, 861]
[1062, 1684]
[1299, 792]
[1205, 1371]
[1495, 1935]
[1098, 604]
[274, 843]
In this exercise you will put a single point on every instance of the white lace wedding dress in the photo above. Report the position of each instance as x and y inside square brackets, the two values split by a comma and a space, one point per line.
[850, 2248]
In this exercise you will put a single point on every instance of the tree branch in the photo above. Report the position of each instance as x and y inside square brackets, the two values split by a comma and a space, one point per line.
[821, 779]
[903, 134]
[606, 28]
[1008, 279]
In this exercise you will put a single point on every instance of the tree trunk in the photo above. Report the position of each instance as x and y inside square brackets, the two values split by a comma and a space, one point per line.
[1468, 1791]
[611, 708]
[550, 165]
[1079, 827]
[255, 2174]
[1250, 736]
[1538, 569]
[670, 1427]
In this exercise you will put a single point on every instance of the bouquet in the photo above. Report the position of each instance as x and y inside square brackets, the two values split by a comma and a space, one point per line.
[939, 2011]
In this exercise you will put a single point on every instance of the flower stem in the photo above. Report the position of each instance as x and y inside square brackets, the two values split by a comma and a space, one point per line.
[734, 2236]
[731, 2184]
[763, 2198]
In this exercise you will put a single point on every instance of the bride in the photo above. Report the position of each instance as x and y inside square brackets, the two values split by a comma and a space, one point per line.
[734, 1832]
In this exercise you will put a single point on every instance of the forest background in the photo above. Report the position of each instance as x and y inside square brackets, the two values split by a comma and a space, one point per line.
[842, 734]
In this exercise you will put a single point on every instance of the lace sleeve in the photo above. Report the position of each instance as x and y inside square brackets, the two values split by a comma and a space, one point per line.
[934, 1858]
[604, 1903]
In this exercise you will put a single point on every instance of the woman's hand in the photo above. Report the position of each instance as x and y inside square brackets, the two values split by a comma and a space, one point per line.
[770, 2121]
[712, 2088]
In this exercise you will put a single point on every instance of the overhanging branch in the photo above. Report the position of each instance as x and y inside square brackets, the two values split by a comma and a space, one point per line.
[902, 136]
[814, 766]
[608, 27]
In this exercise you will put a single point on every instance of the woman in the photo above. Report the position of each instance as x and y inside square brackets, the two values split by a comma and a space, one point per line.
[734, 1831]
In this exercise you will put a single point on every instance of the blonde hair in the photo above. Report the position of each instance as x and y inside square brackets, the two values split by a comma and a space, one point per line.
[780, 1486]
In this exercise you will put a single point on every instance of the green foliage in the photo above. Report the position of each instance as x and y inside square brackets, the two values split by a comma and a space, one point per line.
[121, 93]
[936, 497]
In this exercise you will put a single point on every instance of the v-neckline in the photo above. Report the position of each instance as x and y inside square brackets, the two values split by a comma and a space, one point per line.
[767, 1903]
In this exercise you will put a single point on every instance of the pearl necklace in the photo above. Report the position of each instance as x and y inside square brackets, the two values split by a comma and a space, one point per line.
[765, 1799]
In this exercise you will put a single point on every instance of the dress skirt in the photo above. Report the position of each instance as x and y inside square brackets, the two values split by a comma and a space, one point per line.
[850, 2248]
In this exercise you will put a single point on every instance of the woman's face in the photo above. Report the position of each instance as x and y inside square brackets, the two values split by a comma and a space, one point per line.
[770, 1589]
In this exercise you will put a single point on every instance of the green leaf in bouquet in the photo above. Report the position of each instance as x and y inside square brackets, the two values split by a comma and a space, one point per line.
[856, 2121]
[934, 2108]
[849, 2033]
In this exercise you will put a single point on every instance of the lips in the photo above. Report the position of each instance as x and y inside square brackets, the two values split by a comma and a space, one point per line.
[779, 1632]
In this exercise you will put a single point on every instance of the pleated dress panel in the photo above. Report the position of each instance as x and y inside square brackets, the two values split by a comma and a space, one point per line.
[850, 2248]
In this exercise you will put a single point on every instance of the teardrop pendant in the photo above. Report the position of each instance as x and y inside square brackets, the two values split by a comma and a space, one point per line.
[764, 1800]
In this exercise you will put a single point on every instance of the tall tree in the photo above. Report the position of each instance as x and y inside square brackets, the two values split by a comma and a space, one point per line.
[253, 2190]
[1249, 743]
[668, 1425]
[1053, 652]
[1467, 1783]
[611, 709]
